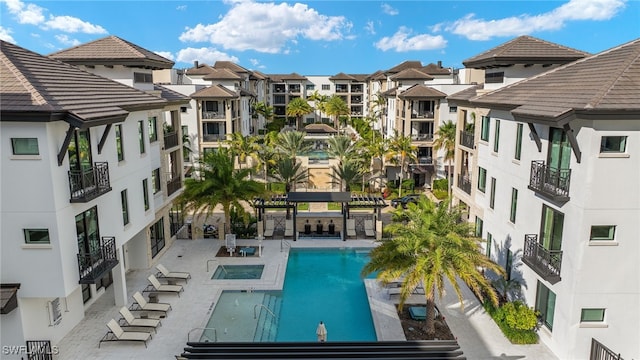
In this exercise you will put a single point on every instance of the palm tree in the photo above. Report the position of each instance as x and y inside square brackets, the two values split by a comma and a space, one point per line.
[267, 154]
[340, 147]
[345, 173]
[335, 107]
[319, 102]
[261, 108]
[298, 108]
[292, 143]
[401, 152]
[291, 173]
[242, 147]
[446, 140]
[219, 184]
[432, 246]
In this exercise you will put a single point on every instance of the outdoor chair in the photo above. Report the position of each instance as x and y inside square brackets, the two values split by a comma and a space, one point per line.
[288, 230]
[369, 229]
[146, 306]
[157, 287]
[117, 334]
[164, 273]
[269, 226]
[130, 320]
[419, 290]
[351, 227]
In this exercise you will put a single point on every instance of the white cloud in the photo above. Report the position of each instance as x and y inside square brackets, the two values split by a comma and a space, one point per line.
[65, 40]
[389, 10]
[370, 27]
[574, 10]
[203, 55]
[166, 55]
[35, 15]
[5, 35]
[402, 41]
[268, 27]
[72, 24]
[181, 7]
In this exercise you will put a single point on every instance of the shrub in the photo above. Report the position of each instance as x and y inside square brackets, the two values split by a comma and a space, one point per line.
[440, 194]
[518, 316]
[507, 311]
[441, 184]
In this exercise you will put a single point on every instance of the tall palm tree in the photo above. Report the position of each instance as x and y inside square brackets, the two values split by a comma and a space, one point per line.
[298, 108]
[429, 248]
[266, 154]
[345, 174]
[446, 140]
[401, 152]
[319, 103]
[261, 108]
[291, 173]
[292, 143]
[340, 147]
[219, 184]
[336, 107]
[242, 147]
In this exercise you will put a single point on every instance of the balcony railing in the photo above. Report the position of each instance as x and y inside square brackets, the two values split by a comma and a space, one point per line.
[171, 140]
[467, 139]
[356, 89]
[207, 115]
[88, 184]
[422, 115]
[550, 182]
[173, 185]
[545, 262]
[94, 266]
[213, 137]
[422, 137]
[601, 352]
[39, 350]
[464, 183]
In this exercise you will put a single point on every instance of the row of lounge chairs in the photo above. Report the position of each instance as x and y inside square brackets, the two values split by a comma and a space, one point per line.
[145, 321]
[369, 229]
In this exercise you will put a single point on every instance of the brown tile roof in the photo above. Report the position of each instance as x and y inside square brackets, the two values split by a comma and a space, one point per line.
[420, 92]
[202, 69]
[608, 82]
[378, 75]
[258, 75]
[230, 65]
[319, 129]
[171, 96]
[215, 91]
[390, 93]
[32, 83]
[466, 94]
[409, 64]
[434, 69]
[112, 50]
[411, 74]
[525, 50]
[342, 76]
[285, 77]
[222, 74]
[360, 77]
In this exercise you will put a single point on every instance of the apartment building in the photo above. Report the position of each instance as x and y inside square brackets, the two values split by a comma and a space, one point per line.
[550, 174]
[86, 193]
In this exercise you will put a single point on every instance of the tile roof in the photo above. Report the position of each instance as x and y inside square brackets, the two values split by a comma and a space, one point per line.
[409, 64]
[222, 74]
[378, 75]
[112, 50]
[608, 82]
[215, 91]
[230, 65]
[32, 83]
[420, 91]
[258, 75]
[434, 69]
[411, 74]
[525, 50]
[466, 94]
[319, 129]
[285, 77]
[360, 77]
[342, 76]
[171, 96]
[202, 69]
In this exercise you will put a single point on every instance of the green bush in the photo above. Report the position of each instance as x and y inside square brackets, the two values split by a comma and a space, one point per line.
[518, 316]
[440, 194]
[516, 336]
[441, 184]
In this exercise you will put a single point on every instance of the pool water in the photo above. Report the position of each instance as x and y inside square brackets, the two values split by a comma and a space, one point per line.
[238, 272]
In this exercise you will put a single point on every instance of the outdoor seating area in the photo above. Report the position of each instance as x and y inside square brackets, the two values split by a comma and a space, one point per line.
[156, 287]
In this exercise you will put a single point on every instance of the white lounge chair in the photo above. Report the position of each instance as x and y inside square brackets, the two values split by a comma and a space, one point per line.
[146, 306]
[419, 290]
[269, 226]
[369, 230]
[351, 227]
[288, 229]
[117, 334]
[131, 320]
[166, 274]
[157, 287]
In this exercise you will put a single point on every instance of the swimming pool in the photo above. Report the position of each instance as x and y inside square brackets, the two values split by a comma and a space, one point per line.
[238, 272]
[320, 285]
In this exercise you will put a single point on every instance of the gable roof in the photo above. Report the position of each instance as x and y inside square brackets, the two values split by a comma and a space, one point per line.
[285, 77]
[466, 94]
[434, 69]
[421, 92]
[319, 129]
[411, 74]
[524, 50]
[230, 66]
[112, 50]
[409, 64]
[201, 69]
[221, 74]
[342, 76]
[605, 83]
[172, 97]
[37, 88]
[215, 91]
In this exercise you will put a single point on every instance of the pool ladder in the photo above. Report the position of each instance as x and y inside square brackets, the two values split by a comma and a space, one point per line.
[215, 334]
[284, 243]
[255, 314]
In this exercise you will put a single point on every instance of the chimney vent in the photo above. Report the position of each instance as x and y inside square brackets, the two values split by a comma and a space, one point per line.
[195, 64]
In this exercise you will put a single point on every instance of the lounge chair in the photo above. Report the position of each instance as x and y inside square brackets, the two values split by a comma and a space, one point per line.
[351, 227]
[419, 290]
[117, 334]
[288, 230]
[269, 226]
[146, 306]
[369, 229]
[166, 274]
[131, 320]
[157, 287]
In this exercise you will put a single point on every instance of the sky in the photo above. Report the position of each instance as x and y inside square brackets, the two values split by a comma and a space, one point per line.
[322, 37]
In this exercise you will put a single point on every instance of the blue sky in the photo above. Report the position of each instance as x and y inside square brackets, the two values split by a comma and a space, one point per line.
[319, 37]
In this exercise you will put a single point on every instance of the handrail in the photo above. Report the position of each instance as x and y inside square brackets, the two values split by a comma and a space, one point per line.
[215, 333]
[222, 266]
[284, 242]
[255, 316]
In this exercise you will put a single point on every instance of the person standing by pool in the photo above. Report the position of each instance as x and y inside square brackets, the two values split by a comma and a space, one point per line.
[321, 331]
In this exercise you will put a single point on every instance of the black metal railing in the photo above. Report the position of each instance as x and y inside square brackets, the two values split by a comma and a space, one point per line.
[422, 137]
[550, 182]
[88, 184]
[547, 263]
[464, 183]
[93, 266]
[39, 350]
[173, 185]
[601, 352]
[422, 115]
[170, 140]
[467, 139]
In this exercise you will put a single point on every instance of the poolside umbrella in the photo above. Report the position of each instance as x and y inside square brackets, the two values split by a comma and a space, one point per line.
[321, 331]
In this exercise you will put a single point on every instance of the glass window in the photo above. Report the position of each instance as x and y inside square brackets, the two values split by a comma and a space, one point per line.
[156, 234]
[310, 87]
[86, 293]
[153, 129]
[613, 144]
[592, 315]
[141, 136]
[155, 179]
[145, 193]
[25, 146]
[142, 78]
[489, 244]
[482, 179]
[119, 142]
[496, 138]
[545, 304]
[484, 130]
[603, 232]
[492, 199]
[125, 206]
[453, 109]
[514, 205]
[326, 87]
[519, 142]
[508, 265]
[36, 236]
[479, 225]
[552, 225]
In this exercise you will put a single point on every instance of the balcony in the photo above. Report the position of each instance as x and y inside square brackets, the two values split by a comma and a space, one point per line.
[94, 266]
[208, 115]
[545, 263]
[342, 89]
[170, 140]
[174, 185]
[464, 183]
[467, 139]
[357, 88]
[422, 137]
[213, 137]
[88, 184]
[421, 115]
[550, 182]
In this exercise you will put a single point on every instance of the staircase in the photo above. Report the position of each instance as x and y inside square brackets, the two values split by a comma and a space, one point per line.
[267, 326]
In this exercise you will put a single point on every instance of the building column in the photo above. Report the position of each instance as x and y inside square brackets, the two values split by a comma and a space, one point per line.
[119, 280]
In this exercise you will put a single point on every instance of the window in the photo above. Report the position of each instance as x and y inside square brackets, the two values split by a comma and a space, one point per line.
[183, 109]
[25, 146]
[492, 199]
[482, 179]
[141, 136]
[210, 106]
[86, 293]
[145, 193]
[125, 206]
[489, 241]
[518, 142]
[453, 109]
[602, 232]
[142, 78]
[508, 265]
[326, 87]
[514, 205]
[545, 304]
[119, 142]
[156, 234]
[493, 78]
[484, 130]
[153, 129]
[551, 228]
[479, 224]
[310, 87]
[36, 236]
[496, 138]
[613, 144]
[592, 315]
[155, 179]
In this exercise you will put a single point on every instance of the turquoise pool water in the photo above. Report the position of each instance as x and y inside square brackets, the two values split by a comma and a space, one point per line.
[238, 272]
[317, 155]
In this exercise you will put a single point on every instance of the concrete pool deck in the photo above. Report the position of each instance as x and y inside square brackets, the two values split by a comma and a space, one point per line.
[478, 336]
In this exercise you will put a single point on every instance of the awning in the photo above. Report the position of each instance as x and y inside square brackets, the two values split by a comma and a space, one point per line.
[342, 197]
[8, 297]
